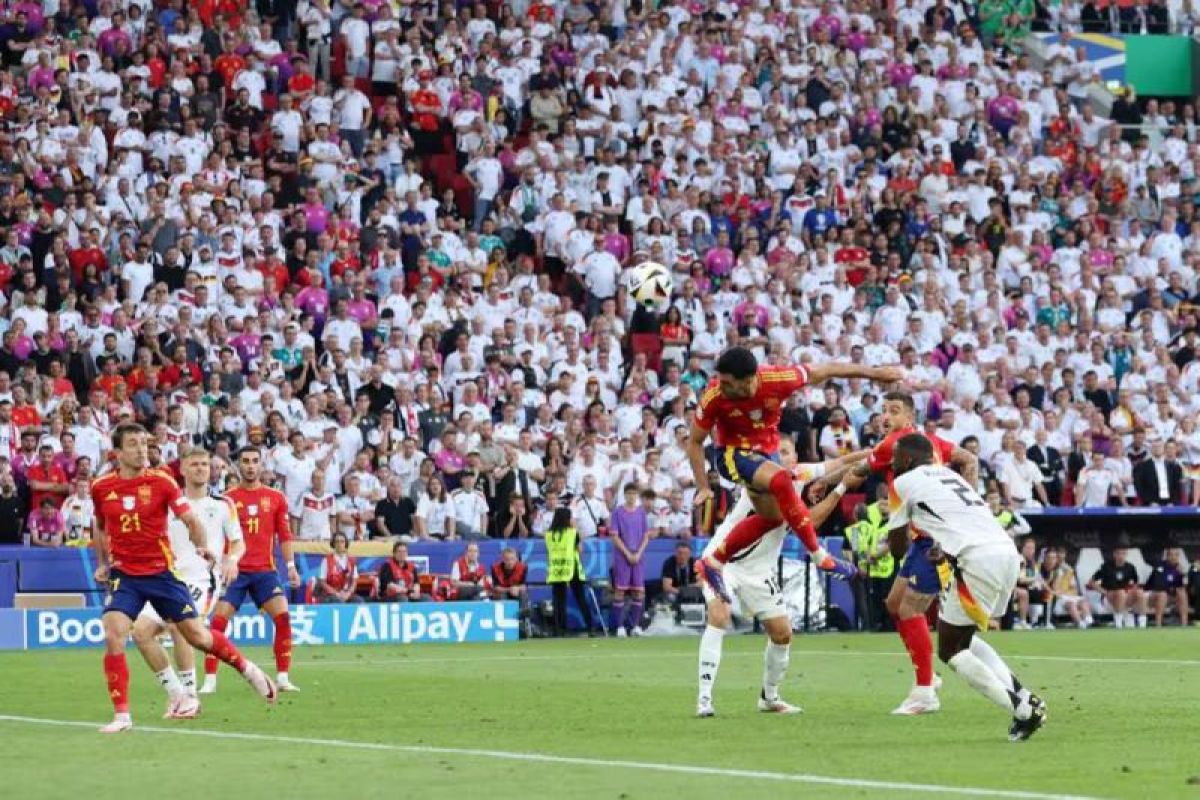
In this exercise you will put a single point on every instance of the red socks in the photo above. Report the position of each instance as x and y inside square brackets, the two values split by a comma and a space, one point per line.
[224, 650]
[283, 642]
[915, 633]
[744, 534]
[794, 511]
[210, 661]
[116, 672]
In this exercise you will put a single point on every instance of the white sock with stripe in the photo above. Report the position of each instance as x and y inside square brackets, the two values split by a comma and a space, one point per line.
[188, 678]
[985, 681]
[775, 664]
[710, 659]
[988, 655]
[169, 681]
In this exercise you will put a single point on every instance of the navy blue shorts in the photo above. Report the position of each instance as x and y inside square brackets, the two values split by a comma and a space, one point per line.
[922, 575]
[739, 466]
[167, 594]
[261, 586]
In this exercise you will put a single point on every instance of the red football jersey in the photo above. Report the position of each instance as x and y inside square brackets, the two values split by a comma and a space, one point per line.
[263, 515]
[881, 456]
[134, 513]
[751, 424]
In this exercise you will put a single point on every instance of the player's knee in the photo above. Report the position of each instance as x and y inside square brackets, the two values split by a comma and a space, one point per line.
[780, 637]
[718, 614]
[143, 635]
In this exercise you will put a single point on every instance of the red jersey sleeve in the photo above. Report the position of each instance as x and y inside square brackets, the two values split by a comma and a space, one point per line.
[705, 411]
[176, 501]
[782, 381]
[943, 448]
[283, 528]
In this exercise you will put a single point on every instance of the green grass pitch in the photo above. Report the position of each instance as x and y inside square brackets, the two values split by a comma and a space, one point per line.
[563, 719]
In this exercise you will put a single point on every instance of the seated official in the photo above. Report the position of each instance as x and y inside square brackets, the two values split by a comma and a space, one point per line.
[508, 578]
[337, 581]
[679, 579]
[398, 579]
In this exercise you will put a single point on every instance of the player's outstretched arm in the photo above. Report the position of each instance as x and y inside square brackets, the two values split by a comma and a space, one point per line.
[834, 469]
[823, 372]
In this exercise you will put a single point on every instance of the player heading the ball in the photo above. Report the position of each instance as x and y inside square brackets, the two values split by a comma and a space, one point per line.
[741, 409]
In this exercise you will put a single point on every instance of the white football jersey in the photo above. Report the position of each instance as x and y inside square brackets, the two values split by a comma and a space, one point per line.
[763, 556]
[220, 524]
[937, 502]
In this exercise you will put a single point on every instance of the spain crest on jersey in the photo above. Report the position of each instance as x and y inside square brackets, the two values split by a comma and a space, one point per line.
[266, 505]
[145, 494]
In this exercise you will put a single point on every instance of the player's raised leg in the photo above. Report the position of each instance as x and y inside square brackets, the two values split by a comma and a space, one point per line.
[215, 643]
[220, 623]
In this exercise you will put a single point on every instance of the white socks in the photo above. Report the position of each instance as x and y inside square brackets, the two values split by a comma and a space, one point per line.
[187, 677]
[169, 681]
[775, 664]
[710, 659]
[987, 673]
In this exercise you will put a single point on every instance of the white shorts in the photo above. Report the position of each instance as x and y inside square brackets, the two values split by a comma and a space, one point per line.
[989, 575]
[204, 595]
[757, 595]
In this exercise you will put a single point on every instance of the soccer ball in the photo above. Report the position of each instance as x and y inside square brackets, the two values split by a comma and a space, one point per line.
[650, 284]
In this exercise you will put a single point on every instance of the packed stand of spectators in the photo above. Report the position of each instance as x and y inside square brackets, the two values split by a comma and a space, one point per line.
[389, 242]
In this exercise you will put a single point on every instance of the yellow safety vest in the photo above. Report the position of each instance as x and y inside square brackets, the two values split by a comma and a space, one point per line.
[562, 556]
[868, 535]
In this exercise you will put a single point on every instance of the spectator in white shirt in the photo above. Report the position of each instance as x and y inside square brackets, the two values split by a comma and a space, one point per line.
[470, 509]
[1096, 484]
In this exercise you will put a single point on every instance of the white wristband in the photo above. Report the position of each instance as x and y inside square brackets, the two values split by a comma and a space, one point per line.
[840, 490]
[819, 555]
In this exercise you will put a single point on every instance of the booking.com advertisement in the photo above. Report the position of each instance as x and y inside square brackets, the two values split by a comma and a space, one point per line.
[376, 623]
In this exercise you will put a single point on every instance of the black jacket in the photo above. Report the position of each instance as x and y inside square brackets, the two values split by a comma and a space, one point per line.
[1145, 480]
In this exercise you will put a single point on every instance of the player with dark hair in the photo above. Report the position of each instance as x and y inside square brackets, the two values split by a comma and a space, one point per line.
[983, 567]
[919, 580]
[134, 556]
[263, 515]
[741, 408]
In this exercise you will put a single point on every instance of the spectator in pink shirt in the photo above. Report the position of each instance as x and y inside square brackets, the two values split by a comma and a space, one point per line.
[314, 301]
[46, 525]
[719, 259]
[316, 215]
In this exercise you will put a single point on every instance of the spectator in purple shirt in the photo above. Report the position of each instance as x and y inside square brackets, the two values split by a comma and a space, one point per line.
[631, 534]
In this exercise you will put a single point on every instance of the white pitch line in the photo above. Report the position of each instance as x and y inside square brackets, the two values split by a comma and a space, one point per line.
[797, 652]
[599, 763]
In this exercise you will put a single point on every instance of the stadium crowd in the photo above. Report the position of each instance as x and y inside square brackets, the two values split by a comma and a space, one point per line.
[388, 243]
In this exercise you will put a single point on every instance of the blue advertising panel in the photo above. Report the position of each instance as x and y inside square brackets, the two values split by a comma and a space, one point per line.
[375, 623]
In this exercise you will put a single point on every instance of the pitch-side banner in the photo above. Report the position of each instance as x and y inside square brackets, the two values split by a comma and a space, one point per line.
[374, 623]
